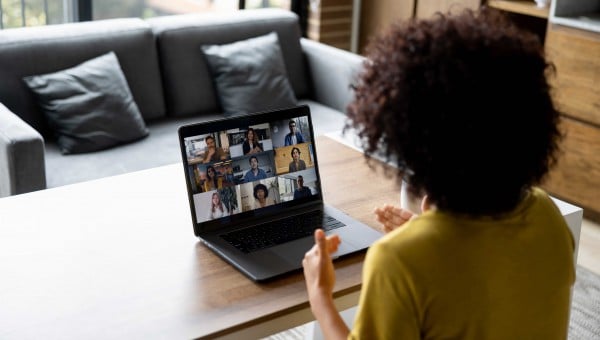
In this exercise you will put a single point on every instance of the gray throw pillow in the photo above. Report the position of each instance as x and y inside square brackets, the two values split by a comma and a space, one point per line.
[89, 107]
[250, 75]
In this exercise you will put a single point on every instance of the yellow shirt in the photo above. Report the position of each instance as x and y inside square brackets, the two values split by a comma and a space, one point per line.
[443, 276]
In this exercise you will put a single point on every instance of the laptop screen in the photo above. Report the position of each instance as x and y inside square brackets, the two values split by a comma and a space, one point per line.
[249, 166]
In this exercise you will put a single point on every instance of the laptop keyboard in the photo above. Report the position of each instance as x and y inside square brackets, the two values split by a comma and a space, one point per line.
[273, 233]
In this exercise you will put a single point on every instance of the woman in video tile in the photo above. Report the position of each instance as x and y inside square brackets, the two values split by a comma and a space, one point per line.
[218, 209]
[261, 196]
[213, 181]
[297, 164]
[251, 144]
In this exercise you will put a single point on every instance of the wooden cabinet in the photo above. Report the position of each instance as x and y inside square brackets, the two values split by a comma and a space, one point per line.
[577, 175]
[576, 55]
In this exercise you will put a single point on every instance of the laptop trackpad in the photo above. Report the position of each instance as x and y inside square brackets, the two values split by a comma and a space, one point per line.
[293, 252]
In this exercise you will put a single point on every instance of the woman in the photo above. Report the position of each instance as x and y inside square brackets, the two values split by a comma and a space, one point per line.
[261, 196]
[296, 164]
[251, 144]
[462, 105]
[218, 209]
[213, 181]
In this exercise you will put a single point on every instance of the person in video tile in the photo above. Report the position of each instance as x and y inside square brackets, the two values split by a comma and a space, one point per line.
[213, 181]
[255, 173]
[218, 209]
[297, 164]
[294, 137]
[261, 196]
[229, 177]
[251, 144]
[213, 153]
[301, 191]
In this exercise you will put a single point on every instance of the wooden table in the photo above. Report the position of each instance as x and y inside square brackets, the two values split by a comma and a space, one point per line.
[117, 258]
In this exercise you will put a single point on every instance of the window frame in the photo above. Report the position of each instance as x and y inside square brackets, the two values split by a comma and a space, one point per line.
[83, 11]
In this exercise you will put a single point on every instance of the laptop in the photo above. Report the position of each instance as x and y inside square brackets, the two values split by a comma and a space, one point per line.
[255, 192]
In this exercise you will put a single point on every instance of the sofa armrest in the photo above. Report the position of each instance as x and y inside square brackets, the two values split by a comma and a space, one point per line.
[22, 167]
[332, 71]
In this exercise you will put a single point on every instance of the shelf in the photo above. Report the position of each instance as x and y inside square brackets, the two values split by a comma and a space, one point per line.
[589, 21]
[526, 7]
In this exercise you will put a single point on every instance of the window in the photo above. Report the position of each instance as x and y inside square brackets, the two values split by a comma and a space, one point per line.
[285, 4]
[19, 13]
[105, 9]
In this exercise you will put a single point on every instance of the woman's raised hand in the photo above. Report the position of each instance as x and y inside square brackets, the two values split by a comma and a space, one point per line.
[392, 217]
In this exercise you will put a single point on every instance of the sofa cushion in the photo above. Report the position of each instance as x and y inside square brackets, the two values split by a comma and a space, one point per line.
[187, 81]
[250, 75]
[89, 107]
[44, 49]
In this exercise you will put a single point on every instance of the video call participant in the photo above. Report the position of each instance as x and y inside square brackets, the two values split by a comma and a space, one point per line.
[229, 176]
[261, 196]
[294, 137]
[213, 181]
[213, 153]
[297, 164]
[489, 256]
[218, 209]
[251, 144]
[301, 191]
[255, 173]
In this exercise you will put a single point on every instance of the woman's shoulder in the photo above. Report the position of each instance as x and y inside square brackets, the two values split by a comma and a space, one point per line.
[410, 233]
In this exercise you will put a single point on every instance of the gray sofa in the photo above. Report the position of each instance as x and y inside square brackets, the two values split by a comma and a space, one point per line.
[162, 61]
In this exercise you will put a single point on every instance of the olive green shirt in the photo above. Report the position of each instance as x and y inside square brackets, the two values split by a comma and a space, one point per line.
[443, 276]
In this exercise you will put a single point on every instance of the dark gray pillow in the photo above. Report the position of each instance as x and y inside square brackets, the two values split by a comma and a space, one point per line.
[250, 75]
[89, 107]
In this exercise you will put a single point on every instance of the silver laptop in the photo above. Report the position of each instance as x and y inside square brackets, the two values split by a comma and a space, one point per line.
[255, 192]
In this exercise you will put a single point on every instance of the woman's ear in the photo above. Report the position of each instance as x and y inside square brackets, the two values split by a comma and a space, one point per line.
[425, 205]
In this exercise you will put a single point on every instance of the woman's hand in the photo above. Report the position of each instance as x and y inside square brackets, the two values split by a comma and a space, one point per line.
[392, 217]
[320, 279]
[318, 267]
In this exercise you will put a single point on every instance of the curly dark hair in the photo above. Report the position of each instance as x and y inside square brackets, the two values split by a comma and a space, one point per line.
[462, 104]
[261, 187]
[295, 148]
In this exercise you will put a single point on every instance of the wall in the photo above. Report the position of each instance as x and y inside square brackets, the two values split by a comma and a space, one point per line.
[376, 15]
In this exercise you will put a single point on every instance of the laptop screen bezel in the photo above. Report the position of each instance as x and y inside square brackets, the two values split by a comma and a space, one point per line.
[243, 121]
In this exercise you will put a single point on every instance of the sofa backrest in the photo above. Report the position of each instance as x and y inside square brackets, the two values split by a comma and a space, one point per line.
[187, 82]
[45, 49]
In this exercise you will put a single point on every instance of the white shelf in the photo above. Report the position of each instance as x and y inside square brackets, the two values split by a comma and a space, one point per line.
[588, 22]
[581, 14]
